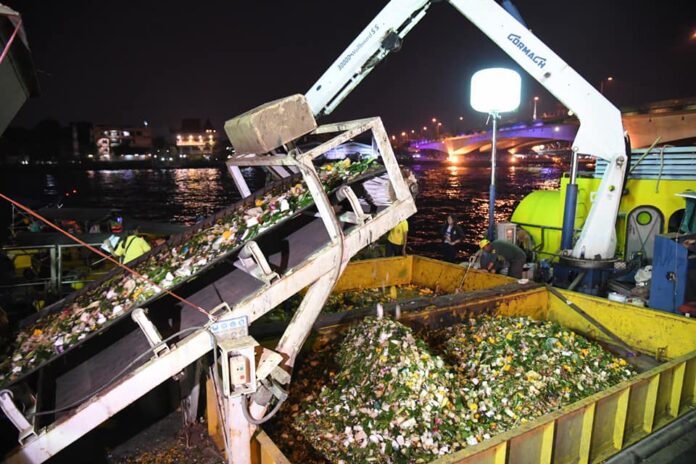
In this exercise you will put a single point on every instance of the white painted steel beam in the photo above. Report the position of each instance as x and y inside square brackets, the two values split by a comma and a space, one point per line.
[91, 414]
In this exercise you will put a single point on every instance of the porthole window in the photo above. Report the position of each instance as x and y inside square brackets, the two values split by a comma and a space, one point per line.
[644, 218]
[675, 220]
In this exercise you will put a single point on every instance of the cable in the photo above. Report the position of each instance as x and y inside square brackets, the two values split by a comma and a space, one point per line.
[78, 402]
[472, 260]
[105, 256]
[251, 420]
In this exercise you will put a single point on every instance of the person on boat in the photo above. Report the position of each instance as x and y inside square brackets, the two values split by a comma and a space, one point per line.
[133, 247]
[94, 228]
[452, 235]
[116, 224]
[499, 253]
[378, 191]
[72, 226]
[35, 226]
[397, 238]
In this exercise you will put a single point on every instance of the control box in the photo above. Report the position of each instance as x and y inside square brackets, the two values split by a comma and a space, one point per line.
[238, 362]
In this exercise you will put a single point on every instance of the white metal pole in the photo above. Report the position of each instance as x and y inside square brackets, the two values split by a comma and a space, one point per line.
[491, 191]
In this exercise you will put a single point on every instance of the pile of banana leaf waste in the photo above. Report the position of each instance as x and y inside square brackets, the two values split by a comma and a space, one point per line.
[384, 395]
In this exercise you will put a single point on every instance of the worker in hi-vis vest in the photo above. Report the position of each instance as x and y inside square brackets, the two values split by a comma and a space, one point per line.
[131, 248]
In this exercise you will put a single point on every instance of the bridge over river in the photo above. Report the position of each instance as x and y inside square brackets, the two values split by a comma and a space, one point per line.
[671, 120]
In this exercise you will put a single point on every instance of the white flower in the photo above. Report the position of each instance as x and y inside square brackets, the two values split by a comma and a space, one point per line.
[407, 424]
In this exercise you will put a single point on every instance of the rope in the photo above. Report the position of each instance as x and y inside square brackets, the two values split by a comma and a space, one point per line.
[103, 255]
[12, 38]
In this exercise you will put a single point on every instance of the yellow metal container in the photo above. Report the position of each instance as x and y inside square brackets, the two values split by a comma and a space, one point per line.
[416, 270]
[589, 430]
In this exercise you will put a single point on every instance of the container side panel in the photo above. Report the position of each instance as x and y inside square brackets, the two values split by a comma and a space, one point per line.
[533, 447]
[586, 439]
[573, 433]
[677, 385]
[608, 427]
[641, 409]
[664, 397]
[269, 453]
[530, 305]
[688, 396]
[450, 277]
[636, 326]
[492, 455]
[212, 417]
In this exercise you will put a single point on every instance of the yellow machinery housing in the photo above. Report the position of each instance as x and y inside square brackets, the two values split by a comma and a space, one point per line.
[541, 212]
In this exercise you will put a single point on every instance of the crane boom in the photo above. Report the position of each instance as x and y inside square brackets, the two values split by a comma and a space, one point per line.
[600, 134]
[371, 46]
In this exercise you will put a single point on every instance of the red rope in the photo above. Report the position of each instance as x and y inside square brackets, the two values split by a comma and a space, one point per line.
[9, 42]
[102, 254]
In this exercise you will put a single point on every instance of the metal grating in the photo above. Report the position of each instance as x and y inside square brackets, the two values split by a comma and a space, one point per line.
[677, 163]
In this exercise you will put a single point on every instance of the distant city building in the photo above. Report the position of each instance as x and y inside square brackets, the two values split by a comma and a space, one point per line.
[82, 138]
[122, 140]
[196, 141]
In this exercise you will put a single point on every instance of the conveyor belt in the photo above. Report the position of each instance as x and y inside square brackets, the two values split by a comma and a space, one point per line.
[232, 287]
[246, 203]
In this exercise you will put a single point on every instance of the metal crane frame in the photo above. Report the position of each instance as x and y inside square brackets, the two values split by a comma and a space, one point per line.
[600, 134]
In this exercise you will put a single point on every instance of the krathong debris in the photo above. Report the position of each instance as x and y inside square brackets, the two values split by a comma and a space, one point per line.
[392, 401]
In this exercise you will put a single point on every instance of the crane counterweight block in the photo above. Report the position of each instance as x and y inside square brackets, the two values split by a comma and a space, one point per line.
[271, 125]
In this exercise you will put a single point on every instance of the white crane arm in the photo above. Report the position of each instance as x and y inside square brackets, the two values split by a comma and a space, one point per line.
[374, 43]
[600, 133]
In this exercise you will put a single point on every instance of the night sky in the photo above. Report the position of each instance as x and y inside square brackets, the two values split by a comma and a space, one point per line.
[127, 61]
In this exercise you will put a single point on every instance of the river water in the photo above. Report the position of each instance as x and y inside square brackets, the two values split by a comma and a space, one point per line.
[185, 195]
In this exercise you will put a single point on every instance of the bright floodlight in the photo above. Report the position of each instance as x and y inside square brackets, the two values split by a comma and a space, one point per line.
[495, 90]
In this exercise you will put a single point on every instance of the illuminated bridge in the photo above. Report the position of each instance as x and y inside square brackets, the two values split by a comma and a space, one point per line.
[671, 120]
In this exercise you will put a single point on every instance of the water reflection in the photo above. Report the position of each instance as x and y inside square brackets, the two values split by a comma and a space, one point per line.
[463, 192]
[184, 195]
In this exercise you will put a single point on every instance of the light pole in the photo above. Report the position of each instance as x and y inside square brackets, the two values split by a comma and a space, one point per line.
[437, 130]
[534, 114]
[601, 84]
[495, 91]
